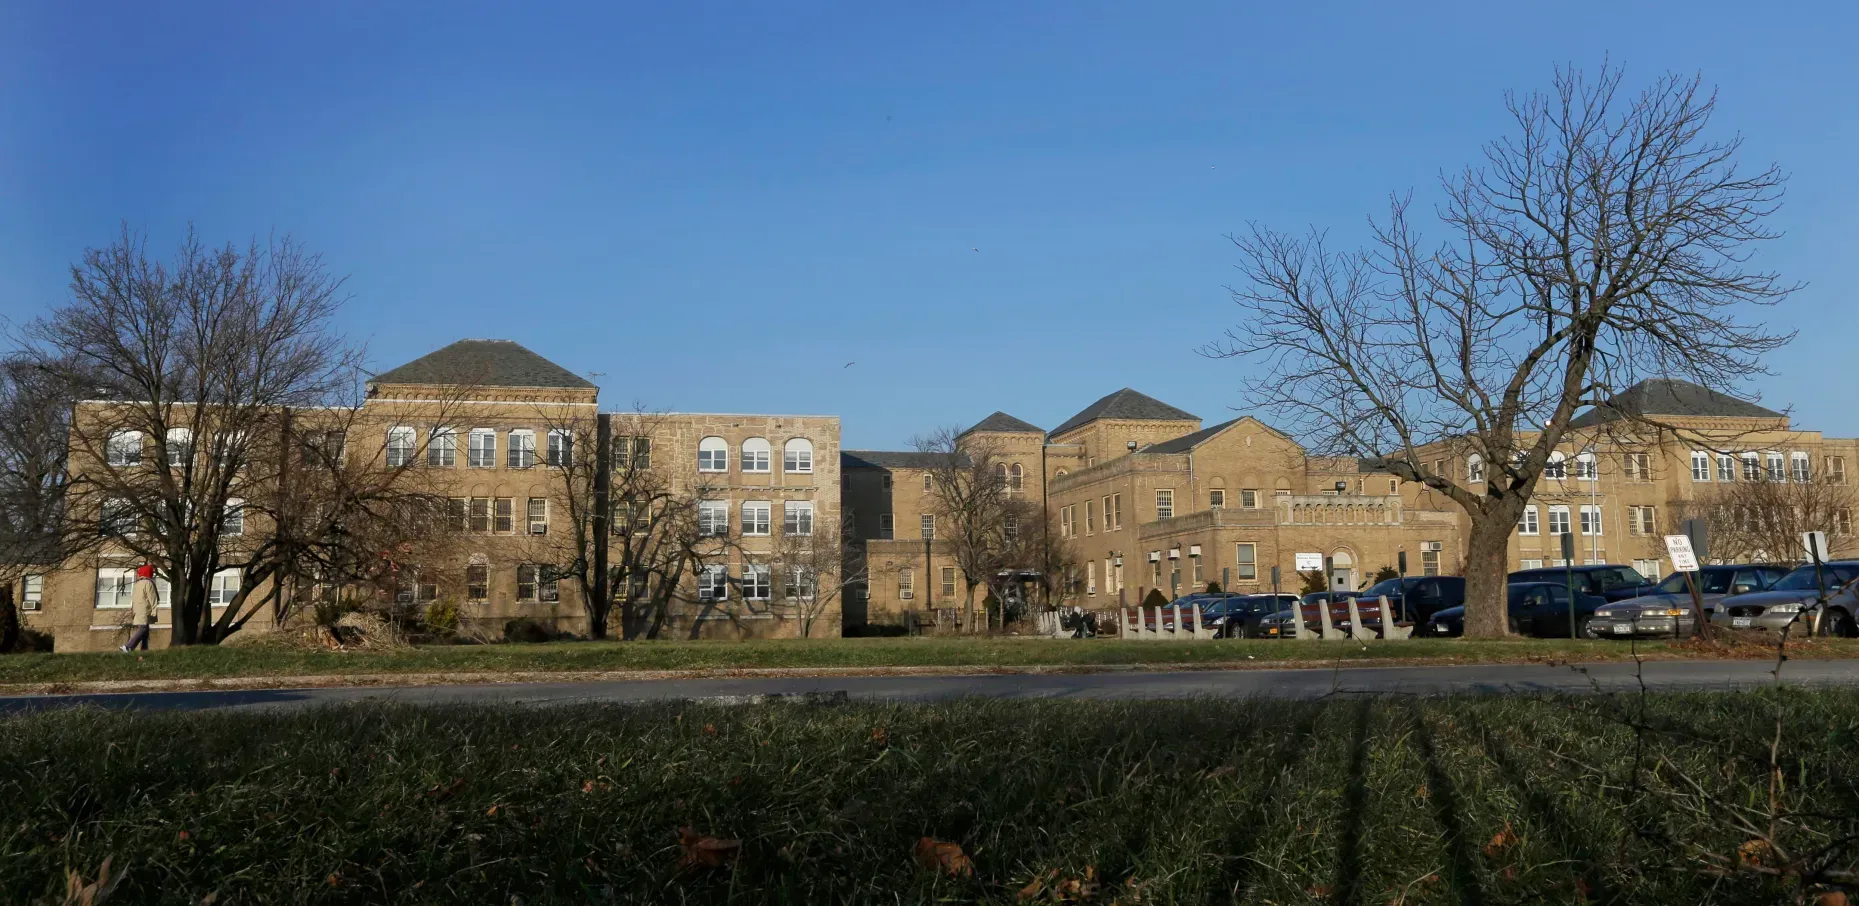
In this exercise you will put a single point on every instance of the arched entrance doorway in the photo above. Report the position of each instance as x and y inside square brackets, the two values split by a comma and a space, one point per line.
[1342, 571]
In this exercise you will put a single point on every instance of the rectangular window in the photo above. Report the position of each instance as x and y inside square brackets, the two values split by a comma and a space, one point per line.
[1248, 499]
[1726, 467]
[1216, 498]
[1530, 564]
[1642, 520]
[712, 518]
[800, 583]
[114, 588]
[31, 591]
[1777, 471]
[1590, 519]
[797, 518]
[538, 515]
[713, 584]
[124, 448]
[1752, 467]
[1798, 469]
[1647, 568]
[481, 448]
[455, 514]
[1700, 466]
[797, 457]
[503, 515]
[1065, 522]
[1155, 572]
[1558, 519]
[234, 521]
[1843, 521]
[442, 448]
[1090, 577]
[1197, 571]
[755, 455]
[1246, 561]
[757, 516]
[1556, 467]
[561, 447]
[1836, 469]
[1429, 558]
[116, 518]
[1527, 524]
[906, 584]
[927, 525]
[224, 589]
[522, 453]
[1585, 466]
[926, 482]
[639, 449]
[1639, 467]
[477, 581]
[1475, 469]
[756, 582]
[399, 447]
[480, 514]
[526, 582]
[948, 582]
[1394, 486]
[1113, 512]
[1164, 503]
[884, 482]
[885, 526]
[1090, 517]
[180, 447]
[713, 455]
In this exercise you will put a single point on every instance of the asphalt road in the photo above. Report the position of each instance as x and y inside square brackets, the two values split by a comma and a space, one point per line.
[1297, 684]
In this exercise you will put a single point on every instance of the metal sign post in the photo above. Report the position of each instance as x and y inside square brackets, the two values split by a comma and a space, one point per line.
[1816, 545]
[1685, 560]
[1568, 564]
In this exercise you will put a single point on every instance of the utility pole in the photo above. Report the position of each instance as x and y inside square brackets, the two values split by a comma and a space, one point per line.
[603, 506]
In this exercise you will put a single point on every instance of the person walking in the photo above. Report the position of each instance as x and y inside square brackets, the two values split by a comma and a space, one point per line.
[143, 600]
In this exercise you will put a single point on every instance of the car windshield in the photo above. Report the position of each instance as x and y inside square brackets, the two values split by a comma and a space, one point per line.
[1618, 577]
[1715, 582]
[1802, 579]
[1384, 587]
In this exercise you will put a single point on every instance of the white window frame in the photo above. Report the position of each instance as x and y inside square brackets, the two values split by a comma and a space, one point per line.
[797, 456]
[442, 448]
[757, 456]
[1557, 466]
[522, 449]
[1475, 469]
[538, 522]
[122, 586]
[886, 526]
[1555, 510]
[926, 526]
[31, 591]
[1800, 467]
[757, 582]
[906, 584]
[1587, 466]
[224, 587]
[1090, 577]
[1248, 498]
[481, 448]
[713, 455]
[180, 441]
[561, 447]
[400, 444]
[797, 518]
[123, 448]
[713, 518]
[1529, 563]
[1726, 467]
[713, 583]
[1700, 466]
[1591, 519]
[1164, 503]
[1776, 466]
[1246, 561]
[1752, 466]
[1647, 568]
[1642, 520]
[800, 584]
[757, 518]
[1216, 498]
[1836, 469]
[232, 525]
[1527, 523]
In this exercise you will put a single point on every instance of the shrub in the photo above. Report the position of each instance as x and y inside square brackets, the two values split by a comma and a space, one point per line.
[1213, 588]
[1313, 581]
[529, 629]
[1384, 574]
[1155, 598]
[442, 617]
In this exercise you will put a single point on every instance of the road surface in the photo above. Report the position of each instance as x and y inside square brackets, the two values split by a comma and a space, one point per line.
[1295, 684]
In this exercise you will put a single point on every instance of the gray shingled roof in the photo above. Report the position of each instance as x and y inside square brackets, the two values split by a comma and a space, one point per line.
[1673, 398]
[488, 363]
[1002, 422]
[1187, 442]
[891, 459]
[1129, 405]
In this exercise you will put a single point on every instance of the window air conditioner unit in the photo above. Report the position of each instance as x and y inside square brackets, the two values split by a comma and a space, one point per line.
[1155, 556]
[1430, 545]
[1174, 553]
[1194, 550]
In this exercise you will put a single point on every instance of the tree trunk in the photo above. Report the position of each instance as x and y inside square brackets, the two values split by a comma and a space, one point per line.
[1487, 564]
[9, 619]
[968, 604]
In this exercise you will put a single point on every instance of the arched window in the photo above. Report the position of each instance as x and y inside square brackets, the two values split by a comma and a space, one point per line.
[1585, 466]
[1557, 467]
[755, 454]
[1016, 477]
[1475, 468]
[1061, 472]
[712, 455]
[797, 455]
[1000, 472]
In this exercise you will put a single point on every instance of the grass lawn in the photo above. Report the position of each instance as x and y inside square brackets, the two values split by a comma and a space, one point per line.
[218, 662]
[1488, 800]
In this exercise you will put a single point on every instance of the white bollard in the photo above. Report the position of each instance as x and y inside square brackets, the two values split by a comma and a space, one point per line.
[1356, 629]
[1388, 629]
[1157, 633]
[1323, 619]
[1297, 621]
[1123, 623]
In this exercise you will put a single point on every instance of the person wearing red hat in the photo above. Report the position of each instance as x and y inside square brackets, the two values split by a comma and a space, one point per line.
[143, 600]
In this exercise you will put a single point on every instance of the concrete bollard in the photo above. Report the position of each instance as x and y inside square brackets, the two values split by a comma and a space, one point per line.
[1176, 628]
[1158, 622]
[1297, 622]
[1323, 619]
[1388, 629]
[1356, 629]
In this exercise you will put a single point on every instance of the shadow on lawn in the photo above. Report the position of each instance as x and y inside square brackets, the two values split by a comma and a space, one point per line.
[1462, 878]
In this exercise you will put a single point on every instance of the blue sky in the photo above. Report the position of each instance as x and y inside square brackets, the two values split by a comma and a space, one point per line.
[986, 206]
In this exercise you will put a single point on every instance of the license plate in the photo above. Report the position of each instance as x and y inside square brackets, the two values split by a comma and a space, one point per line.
[1742, 622]
[1622, 629]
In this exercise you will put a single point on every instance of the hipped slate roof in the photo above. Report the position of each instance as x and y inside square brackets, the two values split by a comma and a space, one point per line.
[1129, 405]
[488, 363]
[891, 459]
[1673, 398]
[1188, 441]
[1004, 423]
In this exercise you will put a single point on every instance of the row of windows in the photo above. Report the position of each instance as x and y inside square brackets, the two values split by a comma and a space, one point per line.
[497, 515]
[756, 453]
[535, 584]
[757, 518]
[1112, 508]
[1641, 520]
[124, 447]
[116, 588]
[480, 447]
[907, 583]
[1767, 466]
[756, 583]
[116, 518]
[926, 526]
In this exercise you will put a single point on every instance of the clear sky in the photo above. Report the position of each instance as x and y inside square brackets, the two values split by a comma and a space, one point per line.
[1018, 206]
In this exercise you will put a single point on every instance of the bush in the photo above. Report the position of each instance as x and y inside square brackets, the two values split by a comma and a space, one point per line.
[442, 617]
[1213, 588]
[1155, 598]
[530, 629]
[33, 640]
[1384, 574]
[876, 631]
[1313, 581]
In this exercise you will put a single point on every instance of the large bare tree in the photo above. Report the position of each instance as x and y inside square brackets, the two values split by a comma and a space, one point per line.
[970, 499]
[35, 420]
[813, 567]
[1608, 239]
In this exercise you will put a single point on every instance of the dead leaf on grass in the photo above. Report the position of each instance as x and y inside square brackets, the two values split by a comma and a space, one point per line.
[79, 892]
[703, 851]
[944, 857]
[1505, 839]
[880, 737]
[1832, 898]
[1756, 853]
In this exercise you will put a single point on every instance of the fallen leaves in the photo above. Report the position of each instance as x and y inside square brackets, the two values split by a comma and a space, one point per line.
[1756, 854]
[879, 737]
[1504, 840]
[439, 793]
[944, 857]
[1832, 898]
[78, 892]
[701, 851]
[1052, 887]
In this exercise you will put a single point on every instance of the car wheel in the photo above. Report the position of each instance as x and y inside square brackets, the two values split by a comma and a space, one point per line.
[1839, 623]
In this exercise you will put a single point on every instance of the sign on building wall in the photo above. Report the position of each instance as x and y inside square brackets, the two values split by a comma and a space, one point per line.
[1308, 562]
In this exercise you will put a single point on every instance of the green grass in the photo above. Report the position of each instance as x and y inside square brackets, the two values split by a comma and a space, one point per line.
[213, 662]
[1345, 801]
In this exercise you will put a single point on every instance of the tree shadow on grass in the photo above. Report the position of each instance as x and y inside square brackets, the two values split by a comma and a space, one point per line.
[1242, 843]
[1463, 869]
[1542, 810]
[1348, 888]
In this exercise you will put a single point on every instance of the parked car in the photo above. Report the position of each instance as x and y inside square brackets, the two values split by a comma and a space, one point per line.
[1538, 609]
[1416, 598]
[1610, 581]
[1666, 611]
[1794, 593]
[1209, 604]
[1242, 617]
[1281, 625]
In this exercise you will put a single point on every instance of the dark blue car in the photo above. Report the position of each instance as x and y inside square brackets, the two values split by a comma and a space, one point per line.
[1539, 609]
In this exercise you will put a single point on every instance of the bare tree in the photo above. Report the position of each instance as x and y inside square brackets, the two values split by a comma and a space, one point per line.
[1606, 241]
[35, 420]
[197, 364]
[1762, 521]
[813, 565]
[970, 499]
